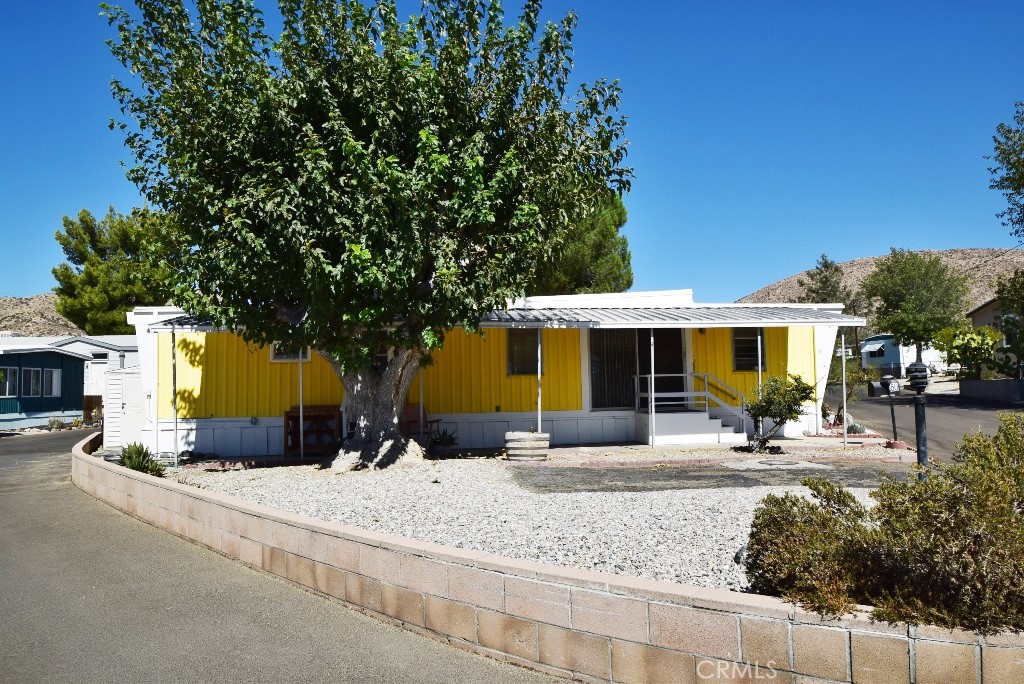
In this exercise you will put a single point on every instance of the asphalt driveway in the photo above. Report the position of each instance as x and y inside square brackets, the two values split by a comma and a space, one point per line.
[88, 594]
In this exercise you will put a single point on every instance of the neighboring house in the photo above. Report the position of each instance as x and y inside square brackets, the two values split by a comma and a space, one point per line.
[989, 314]
[882, 352]
[595, 353]
[39, 383]
[103, 351]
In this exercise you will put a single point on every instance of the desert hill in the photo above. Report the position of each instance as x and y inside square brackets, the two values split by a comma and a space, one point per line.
[981, 266]
[36, 315]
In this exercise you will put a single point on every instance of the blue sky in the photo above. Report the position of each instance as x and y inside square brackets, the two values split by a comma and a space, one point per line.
[762, 133]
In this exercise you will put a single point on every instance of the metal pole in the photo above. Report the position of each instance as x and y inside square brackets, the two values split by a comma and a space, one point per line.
[922, 433]
[302, 433]
[174, 391]
[421, 416]
[892, 412]
[650, 398]
[842, 358]
[540, 425]
[759, 357]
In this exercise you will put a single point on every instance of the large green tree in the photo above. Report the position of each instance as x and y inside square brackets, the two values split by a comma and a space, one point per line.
[915, 296]
[592, 256]
[1008, 171]
[361, 184]
[108, 269]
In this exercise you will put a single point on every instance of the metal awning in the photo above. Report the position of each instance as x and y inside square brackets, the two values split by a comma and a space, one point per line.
[707, 316]
[873, 346]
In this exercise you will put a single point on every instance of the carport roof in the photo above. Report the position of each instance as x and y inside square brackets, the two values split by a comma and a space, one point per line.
[696, 316]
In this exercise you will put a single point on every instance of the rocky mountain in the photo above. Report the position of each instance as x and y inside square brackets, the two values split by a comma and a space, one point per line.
[36, 315]
[981, 266]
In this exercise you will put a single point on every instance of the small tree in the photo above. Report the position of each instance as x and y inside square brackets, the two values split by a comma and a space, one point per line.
[779, 400]
[915, 296]
[1010, 322]
[971, 347]
[109, 270]
[824, 284]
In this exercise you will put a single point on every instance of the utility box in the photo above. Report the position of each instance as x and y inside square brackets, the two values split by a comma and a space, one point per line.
[888, 386]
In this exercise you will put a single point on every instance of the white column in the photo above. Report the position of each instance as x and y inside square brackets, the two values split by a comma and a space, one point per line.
[174, 391]
[540, 425]
[650, 391]
[843, 359]
[302, 434]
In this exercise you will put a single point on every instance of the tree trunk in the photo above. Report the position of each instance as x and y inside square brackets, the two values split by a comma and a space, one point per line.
[375, 399]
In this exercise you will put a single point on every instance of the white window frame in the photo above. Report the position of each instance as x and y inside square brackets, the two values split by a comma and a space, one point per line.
[54, 375]
[10, 382]
[512, 369]
[26, 387]
[283, 357]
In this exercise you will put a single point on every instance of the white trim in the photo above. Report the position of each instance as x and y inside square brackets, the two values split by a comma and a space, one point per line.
[54, 373]
[21, 388]
[304, 355]
[7, 381]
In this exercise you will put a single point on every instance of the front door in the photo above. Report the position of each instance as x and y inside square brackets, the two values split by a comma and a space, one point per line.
[669, 367]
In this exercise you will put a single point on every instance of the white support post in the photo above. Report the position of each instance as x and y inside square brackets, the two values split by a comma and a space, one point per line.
[842, 357]
[760, 355]
[302, 432]
[540, 425]
[650, 393]
[174, 391]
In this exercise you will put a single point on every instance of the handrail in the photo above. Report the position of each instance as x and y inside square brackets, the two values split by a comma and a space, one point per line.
[707, 379]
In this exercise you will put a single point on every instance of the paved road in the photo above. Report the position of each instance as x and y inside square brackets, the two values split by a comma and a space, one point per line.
[948, 418]
[88, 594]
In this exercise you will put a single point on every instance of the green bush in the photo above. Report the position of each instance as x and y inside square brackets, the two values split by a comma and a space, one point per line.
[780, 400]
[947, 550]
[137, 457]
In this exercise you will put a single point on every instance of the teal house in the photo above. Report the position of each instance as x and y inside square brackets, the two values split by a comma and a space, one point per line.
[40, 383]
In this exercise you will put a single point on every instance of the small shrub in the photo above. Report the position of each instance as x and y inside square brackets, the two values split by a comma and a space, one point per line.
[76, 423]
[56, 423]
[856, 429]
[138, 457]
[946, 550]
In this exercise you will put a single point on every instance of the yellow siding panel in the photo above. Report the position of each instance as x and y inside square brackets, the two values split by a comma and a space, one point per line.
[469, 375]
[712, 353]
[220, 376]
[801, 353]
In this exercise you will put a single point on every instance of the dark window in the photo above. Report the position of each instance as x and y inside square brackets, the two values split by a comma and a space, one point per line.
[522, 351]
[744, 349]
[31, 382]
[99, 356]
[877, 353]
[612, 367]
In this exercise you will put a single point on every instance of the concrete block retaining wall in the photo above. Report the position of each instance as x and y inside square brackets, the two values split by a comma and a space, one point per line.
[577, 624]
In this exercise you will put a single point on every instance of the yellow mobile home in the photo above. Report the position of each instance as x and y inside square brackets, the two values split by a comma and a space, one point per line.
[580, 367]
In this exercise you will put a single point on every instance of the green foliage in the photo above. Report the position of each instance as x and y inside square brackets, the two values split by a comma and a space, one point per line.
[592, 257]
[779, 400]
[1010, 322]
[360, 183]
[137, 457]
[947, 550]
[1008, 172]
[824, 284]
[108, 270]
[915, 296]
[856, 377]
[56, 423]
[971, 347]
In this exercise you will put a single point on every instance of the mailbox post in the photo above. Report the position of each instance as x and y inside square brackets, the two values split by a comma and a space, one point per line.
[917, 372]
[890, 387]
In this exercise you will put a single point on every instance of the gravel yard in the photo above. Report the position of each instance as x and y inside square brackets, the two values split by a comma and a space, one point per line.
[686, 536]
